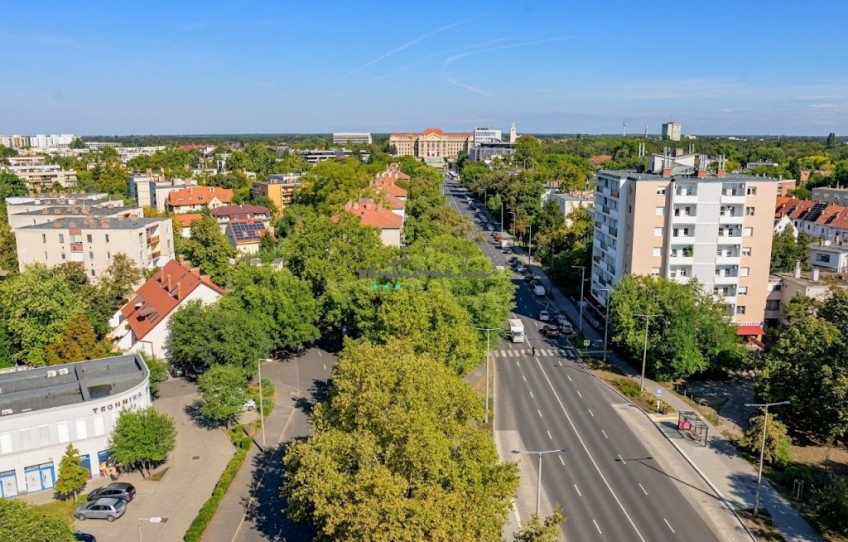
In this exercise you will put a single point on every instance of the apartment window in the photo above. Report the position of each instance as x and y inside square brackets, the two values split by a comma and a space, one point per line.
[751, 191]
[92, 272]
[661, 191]
[61, 237]
[746, 251]
[823, 258]
[719, 252]
[108, 255]
[742, 290]
[629, 209]
[107, 237]
[43, 237]
[747, 232]
[140, 239]
[660, 211]
[45, 256]
[657, 251]
[740, 309]
[91, 255]
[63, 255]
[744, 271]
[655, 271]
[749, 211]
[658, 232]
[773, 305]
[88, 238]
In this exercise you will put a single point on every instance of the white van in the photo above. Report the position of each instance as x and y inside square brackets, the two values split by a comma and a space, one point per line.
[539, 290]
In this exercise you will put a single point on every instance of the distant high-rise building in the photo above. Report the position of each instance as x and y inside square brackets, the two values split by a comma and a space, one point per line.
[513, 136]
[671, 131]
[354, 138]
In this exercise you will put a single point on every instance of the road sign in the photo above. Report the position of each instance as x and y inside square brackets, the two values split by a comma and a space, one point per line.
[659, 392]
[586, 343]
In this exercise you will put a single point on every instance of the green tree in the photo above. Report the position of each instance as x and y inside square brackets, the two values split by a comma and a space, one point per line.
[528, 152]
[158, 371]
[78, 342]
[223, 392]
[36, 305]
[77, 143]
[538, 530]
[330, 185]
[113, 178]
[72, 475]
[778, 450]
[143, 437]
[210, 250]
[831, 140]
[787, 250]
[22, 521]
[121, 277]
[279, 301]
[831, 504]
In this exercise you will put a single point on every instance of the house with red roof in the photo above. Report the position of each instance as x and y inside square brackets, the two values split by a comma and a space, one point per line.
[245, 235]
[232, 213]
[373, 214]
[197, 198]
[142, 324]
[185, 220]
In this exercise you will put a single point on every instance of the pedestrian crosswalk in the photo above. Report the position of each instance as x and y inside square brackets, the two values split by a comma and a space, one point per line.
[540, 352]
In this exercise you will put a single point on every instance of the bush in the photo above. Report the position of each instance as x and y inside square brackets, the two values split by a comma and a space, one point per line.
[778, 449]
[797, 472]
[627, 387]
[831, 504]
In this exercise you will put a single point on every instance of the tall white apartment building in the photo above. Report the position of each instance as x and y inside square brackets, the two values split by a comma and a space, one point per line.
[94, 241]
[152, 190]
[713, 228]
[671, 131]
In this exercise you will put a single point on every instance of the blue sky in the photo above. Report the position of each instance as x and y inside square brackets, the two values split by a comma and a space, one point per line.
[182, 67]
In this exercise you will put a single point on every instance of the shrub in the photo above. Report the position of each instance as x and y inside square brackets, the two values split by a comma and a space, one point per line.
[831, 504]
[797, 472]
[778, 448]
[627, 387]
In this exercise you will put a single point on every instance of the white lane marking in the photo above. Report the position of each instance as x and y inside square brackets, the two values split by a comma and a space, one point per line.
[540, 413]
[578, 490]
[569, 378]
[669, 525]
[549, 434]
[532, 396]
[561, 460]
[586, 449]
[596, 526]
[605, 434]
[591, 413]
[579, 394]
[524, 377]
[643, 490]
[517, 364]
[325, 366]
[623, 462]
[320, 354]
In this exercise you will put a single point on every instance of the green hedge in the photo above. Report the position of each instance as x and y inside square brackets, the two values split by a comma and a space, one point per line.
[207, 512]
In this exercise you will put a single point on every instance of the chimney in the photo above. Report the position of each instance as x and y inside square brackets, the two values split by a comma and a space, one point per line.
[666, 172]
[702, 173]
[181, 258]
[195, 271]
[815, 275]
[170, 283]
[797, 269]
[179, 291]
[722, 173]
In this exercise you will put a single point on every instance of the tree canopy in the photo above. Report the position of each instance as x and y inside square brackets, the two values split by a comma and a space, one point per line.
[142, 436]
[22, 521]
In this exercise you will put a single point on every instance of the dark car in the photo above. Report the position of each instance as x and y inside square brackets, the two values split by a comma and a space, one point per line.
[84, 537]
[550, 331]
[176, 372]
[116, 490]
[529, 278]
[513, 260]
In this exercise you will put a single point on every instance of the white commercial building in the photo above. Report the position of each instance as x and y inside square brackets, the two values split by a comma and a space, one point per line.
[43, 410]
[671, 131]
[353, 138]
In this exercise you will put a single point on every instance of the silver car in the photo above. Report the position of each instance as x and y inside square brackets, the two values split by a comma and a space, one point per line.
[108, 509]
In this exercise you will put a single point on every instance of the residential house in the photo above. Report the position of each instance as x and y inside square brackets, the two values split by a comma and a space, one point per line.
[142, 324]
[185, 221]
[783, 287]
[197, 198]
[279, 188]
[245, 235]
[232, 213]
[374, 214]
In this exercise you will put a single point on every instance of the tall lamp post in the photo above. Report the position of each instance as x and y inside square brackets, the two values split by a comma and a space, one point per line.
[487, 330]
[261, 402]
[606, 321]
[647, 318]
[539, 483]
[765, 407]
[582, 282]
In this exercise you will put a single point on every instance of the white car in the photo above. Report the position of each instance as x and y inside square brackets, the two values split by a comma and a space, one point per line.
[544, 316]
[250, 404]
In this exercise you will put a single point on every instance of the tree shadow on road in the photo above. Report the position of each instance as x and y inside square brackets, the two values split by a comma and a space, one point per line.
[265, 511]
[193, 412]
[318, 392]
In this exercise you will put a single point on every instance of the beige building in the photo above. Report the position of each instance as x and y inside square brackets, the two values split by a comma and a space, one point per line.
[431, 143]
[93, 242]
[27, 204]
[279, 188]
[45, 177]
[783, 287]
[713, 228]
[49, 214]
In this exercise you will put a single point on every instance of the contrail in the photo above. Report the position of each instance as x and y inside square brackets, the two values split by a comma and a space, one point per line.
[404, 46]
[453, 58]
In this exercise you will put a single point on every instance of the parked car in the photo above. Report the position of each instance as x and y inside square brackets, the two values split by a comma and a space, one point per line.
[538, 289]
[528, 278]
[566, 328]
[115, 490]
[84, 537]
[544, 316]
[108, 509]
[250, 404]
[550, 331]
[176, 372]
[520, 268]
[561, 321]
[513, 260]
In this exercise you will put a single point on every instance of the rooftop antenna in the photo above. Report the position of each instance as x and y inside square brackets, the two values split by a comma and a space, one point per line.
[646, 131]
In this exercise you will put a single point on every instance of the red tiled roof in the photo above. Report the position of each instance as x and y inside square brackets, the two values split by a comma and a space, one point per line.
[373, 214]
[748, 331]
[398, 135]
[600, 159]
[199, 195]
[428, 131]
[161, 294]
[393, 202]
[187, 219]
[240, 211]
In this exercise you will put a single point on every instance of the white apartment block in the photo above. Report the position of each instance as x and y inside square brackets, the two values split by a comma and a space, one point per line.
[45, 177]
[354, 138]
[671, 131]
[93, 242]
[152, 190]
[27, 204]
[713, 228]
[49, 214]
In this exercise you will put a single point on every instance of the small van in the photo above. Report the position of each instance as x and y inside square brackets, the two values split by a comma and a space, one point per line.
[539, 290]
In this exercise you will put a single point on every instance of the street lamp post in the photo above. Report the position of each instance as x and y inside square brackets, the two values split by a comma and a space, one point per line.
[606, 321]
[502, 210]
[765, 407]
[487, 330]
[582, 282]
[647, 318]
[261, 401]
[539, 483]
[530, 246]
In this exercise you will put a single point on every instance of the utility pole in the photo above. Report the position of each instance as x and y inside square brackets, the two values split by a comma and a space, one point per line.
[261, 401]
[582, 282]
[647, 318]
[530, 246]
[487, 330]
[606, 321]
[539, 482]
[765, 407]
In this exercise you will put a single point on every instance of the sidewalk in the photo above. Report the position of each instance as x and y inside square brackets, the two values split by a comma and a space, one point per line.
[731, 477]
[241, 501]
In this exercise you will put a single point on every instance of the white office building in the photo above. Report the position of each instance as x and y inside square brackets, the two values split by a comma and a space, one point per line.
[352, 138]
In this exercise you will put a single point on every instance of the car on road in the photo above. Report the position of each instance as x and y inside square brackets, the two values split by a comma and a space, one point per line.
[550, 331]
[115, 490]
[249, 405]
[176, 372]
[544, 316]
[84, 537]
[513, 260]
[108, 509]
[520, 268]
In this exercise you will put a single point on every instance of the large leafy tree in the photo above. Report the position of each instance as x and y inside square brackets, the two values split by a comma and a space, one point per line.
[538, 529]
[121, 276]
[690, 332]
[72, 475]
[10, 185]
[330, 185]
[209, 250]
[78, 342]
[279, 301]
[396, 454]
[143, 437]
[22, 521]
[223, 392]
[786, 251]
[35, 306]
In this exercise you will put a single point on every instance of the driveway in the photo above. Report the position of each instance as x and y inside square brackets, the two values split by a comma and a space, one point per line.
[193, 470]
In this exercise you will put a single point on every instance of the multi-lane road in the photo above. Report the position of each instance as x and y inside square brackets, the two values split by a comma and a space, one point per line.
[607, 483]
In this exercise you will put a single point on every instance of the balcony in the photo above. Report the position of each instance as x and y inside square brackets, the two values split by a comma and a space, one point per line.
[726, 279]
[680, 259]
[730, 219]
[731, 197]
[728, 259]
[76, 247]
[152, 239]
[683, 196]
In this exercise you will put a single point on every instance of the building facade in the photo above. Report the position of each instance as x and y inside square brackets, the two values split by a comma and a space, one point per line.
[716, 229]
[44, 178]
[92, 242]
[197, 198]
[353, 138]
[432, 142]
[43, 410]
[671, 131]
[152, 191]
[279, 188]
[49, 214]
